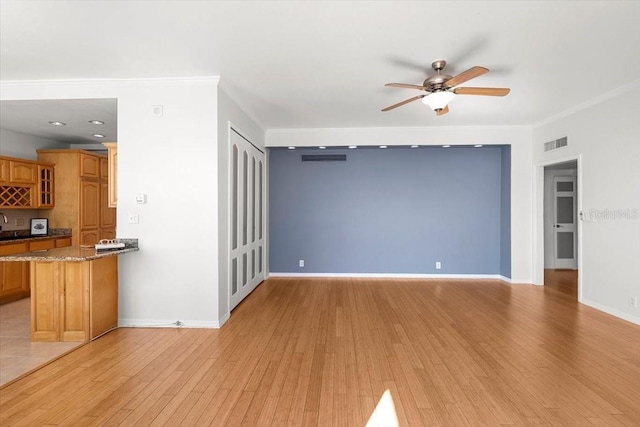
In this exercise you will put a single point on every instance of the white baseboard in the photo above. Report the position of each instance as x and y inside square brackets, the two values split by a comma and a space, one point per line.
[395, 276]
[612, 311]
[147, 323]
[223, 319]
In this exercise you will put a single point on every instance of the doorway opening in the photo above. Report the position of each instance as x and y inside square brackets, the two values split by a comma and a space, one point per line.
[560, 224]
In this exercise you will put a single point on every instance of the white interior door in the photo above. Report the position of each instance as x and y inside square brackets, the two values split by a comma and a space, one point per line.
[565, 230]
[247, 217]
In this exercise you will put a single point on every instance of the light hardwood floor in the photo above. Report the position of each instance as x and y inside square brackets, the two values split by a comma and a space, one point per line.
[306, 352]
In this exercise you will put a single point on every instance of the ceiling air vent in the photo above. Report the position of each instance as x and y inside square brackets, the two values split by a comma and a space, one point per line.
[324, 157]
[553, 145]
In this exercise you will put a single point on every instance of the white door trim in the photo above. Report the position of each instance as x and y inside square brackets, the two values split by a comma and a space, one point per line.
[538, 219]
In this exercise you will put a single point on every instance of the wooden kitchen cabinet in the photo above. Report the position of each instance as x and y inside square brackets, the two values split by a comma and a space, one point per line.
[14, 276]
[4, 170]
[45, 187]
[81, 191]
[89, 205]
[15, 280]
[89, 166]
[25, 184]
[22, 172]
[112, 155]
[73, 300]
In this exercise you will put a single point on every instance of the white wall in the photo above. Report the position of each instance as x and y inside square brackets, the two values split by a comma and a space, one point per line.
[604, 138]
[18, 144]
[521, 172]
[229, 114]
[549, 217]
[173, 159]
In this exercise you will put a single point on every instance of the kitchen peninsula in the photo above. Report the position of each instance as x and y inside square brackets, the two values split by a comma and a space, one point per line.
[74, 291]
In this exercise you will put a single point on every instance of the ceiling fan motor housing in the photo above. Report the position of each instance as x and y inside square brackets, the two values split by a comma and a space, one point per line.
[436, 82]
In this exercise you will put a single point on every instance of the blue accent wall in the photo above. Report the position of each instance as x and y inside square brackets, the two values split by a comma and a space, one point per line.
[505, 213]
[395, 210]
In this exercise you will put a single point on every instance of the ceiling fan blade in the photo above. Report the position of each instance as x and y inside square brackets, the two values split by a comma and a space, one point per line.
[406, 86]
[471, 73]
[487, 91]
[442, 112]
[406, 101]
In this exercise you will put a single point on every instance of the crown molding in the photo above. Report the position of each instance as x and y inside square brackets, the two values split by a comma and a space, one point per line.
[587, 104]
[154, 81]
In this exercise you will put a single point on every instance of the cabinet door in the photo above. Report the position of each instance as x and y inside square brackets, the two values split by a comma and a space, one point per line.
[89, 204]
[4, 170]
[89, 166]
[45, 186]
[89, 237]
[107, 214]
[22, 172]
[45, 300]
[104, 168]
[63, 243]
[107, 233]
[14, 277]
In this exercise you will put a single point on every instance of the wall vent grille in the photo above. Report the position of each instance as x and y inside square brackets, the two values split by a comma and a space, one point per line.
[554, 145]
[324, 157]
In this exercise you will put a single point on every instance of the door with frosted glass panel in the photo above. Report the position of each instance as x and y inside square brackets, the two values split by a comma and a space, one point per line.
[565, 226]
[247, 170]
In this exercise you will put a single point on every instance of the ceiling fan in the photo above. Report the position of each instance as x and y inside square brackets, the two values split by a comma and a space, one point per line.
[440, 88]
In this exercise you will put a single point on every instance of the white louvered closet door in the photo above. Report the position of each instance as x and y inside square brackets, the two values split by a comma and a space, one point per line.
[247, 217]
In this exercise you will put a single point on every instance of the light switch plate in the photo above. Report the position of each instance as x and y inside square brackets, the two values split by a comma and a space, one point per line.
[141, 198]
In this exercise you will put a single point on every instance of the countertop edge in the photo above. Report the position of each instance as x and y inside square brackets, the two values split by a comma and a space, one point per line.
[71, 253]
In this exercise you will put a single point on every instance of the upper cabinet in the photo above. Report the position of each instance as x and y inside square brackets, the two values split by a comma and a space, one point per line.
[25, 184]
[22, 172]
[112, 148]
[80, 182]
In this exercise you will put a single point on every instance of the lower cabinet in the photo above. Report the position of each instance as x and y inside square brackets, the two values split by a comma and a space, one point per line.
[14, 276]
[73, 300]
[14, 281]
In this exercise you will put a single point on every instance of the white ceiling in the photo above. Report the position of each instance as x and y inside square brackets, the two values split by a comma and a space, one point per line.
[33, 117]
[324, 64]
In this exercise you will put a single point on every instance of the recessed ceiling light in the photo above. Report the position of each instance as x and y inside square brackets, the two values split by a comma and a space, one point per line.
[98, 135]
[478, 145]
[446, 146]
[322, 148]
[57, 123]
[383, 146]
[414, 146]
[353, 146]
[292, 148]
[96, 122]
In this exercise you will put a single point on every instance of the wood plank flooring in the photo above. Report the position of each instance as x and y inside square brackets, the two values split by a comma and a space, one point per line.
[321, 352]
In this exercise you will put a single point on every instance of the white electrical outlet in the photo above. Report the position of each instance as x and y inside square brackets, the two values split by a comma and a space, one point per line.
[633, 301]
[133, 218]
[301, 263]
[438, 265]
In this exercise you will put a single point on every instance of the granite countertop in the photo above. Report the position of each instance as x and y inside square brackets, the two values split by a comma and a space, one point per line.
[24, 236]
[72, 253]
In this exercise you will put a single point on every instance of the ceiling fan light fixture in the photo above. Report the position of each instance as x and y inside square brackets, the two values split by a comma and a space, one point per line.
[438, 100]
